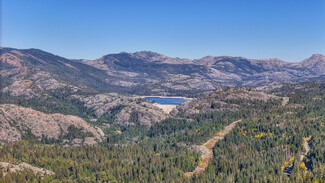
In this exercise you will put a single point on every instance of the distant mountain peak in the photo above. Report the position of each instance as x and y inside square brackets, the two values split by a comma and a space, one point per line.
[148, 54]
[123, 52]
[315, 58]
[317, 55]
[316, 63]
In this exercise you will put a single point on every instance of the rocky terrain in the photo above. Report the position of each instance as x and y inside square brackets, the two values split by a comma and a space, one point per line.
[163, 75]
[18, 121]
[9, 167]
[33, 73]
[123, 109]
[107, 90]
[228, 99]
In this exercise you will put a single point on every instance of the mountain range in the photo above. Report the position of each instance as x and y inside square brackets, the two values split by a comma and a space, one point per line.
[77, 120]
[33, 72]
[108, 90]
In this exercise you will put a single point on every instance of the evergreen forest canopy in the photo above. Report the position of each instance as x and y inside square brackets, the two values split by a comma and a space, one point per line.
[268, 145]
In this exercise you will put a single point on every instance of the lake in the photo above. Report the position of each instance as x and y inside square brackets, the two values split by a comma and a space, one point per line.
[166, 100]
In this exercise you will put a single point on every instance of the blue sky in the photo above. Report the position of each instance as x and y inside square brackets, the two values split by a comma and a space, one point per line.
[291, 30]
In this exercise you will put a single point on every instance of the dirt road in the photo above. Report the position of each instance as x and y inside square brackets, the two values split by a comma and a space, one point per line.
[207, 149]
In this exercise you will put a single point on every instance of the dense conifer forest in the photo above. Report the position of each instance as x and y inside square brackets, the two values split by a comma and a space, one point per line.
[266, 146]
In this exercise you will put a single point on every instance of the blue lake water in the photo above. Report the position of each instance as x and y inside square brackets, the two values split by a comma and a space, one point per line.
[166, 100]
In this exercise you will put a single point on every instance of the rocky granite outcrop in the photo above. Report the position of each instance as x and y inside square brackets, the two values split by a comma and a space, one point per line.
[9, 167]
[16, 121]
[126, 110]
[144, 114]
[222, 100]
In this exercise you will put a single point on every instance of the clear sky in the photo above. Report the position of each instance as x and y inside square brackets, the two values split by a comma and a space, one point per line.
[291, 30]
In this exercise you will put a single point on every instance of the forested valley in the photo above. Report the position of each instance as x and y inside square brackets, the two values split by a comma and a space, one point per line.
[266, 146]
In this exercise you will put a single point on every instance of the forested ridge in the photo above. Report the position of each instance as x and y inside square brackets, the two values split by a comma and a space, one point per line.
[268, 140]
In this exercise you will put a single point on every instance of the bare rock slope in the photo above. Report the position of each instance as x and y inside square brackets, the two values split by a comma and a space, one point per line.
[9, 167]
[17, 121]
[123, 110]
[228, 99]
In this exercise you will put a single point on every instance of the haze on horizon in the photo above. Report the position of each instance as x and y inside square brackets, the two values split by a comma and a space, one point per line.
[290, 30]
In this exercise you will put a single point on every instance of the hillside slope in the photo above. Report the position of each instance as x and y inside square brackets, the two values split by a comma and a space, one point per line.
[19, 122]
[229, 99]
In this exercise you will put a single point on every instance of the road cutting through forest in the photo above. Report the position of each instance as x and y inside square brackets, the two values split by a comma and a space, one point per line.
[207, 149]
[306, 145]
